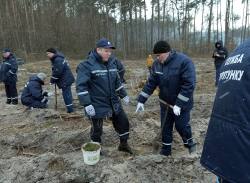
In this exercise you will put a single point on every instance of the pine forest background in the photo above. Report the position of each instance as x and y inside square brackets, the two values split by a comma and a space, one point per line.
[29, 27]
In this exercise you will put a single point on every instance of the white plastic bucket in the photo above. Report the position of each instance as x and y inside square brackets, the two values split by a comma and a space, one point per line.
[91, 157]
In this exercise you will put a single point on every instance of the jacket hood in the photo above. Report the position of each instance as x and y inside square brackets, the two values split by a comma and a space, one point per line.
[170, 57]
[219, 42]
[36, 79]
[57, 54]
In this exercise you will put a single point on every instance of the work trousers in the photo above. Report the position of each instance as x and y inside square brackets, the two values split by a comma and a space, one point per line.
[120, 123]
[35, 104]
[217, 75]
[181, 125]
[67, 97]
[11, 92]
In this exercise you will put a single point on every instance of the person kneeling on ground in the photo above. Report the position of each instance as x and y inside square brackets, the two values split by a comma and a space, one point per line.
[33, 94]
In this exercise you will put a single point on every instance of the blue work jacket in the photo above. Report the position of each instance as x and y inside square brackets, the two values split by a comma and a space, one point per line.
[33, 91]
[176, 79]
[226, 150]
[61, 73]
[9, 69]
[98, 84]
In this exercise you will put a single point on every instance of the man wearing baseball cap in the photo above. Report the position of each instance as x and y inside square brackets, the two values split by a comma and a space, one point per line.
[99, 90]
[9, 68]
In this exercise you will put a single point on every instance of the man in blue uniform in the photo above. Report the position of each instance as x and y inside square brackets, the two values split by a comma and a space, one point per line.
[99, 90]
[227, 146]
[9, 68]
[33, 95]
[174, 74]
[62, 76]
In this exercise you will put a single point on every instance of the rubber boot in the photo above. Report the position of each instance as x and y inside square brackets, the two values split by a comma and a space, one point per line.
[125, 147]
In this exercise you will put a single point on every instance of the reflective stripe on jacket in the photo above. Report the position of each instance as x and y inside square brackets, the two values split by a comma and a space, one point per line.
[176, 79]
[61, 73]
[97, 83]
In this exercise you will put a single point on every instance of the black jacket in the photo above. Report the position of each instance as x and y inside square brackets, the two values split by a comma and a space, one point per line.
[222, 51]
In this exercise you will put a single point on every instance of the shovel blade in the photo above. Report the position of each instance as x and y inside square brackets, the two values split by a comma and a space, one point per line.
[156, 147]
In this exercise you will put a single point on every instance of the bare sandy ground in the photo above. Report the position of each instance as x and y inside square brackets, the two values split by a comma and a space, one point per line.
[43, 145]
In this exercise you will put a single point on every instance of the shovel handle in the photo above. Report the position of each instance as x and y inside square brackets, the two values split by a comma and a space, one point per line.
[163, 102]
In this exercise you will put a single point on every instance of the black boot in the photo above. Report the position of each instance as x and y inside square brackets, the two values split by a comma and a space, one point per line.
[15, 102]
[8, 101]
[124, 147]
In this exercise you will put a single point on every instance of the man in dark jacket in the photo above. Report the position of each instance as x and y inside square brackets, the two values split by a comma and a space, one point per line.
[174, 73]
[121, 71]
[227, 146]
[99, 90]
[33, 94]
[220, 54]
[62, 76]
[9, 68]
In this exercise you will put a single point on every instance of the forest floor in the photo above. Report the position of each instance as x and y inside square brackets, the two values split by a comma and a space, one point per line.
[44, 145]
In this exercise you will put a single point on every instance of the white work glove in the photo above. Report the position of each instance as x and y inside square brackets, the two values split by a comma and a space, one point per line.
[90, 110]
[49, 94]
[140, 106]
[177, 110]
[48, 102]
[126, 100]
[52, 84]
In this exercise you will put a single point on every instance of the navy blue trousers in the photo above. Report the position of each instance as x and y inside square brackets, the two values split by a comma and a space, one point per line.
[35, 104]
[217, 76]
[181, 125]
[11, 92]
[67, 97]
[120, 123]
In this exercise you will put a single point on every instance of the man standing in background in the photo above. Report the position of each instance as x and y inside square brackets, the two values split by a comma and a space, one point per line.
[220, 54]
[150, 61]
[121, 71]
[62, 76]
[9, 68]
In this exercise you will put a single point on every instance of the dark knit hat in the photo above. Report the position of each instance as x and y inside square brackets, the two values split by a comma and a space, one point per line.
[51, 50]
[161, 47]
[6, 50]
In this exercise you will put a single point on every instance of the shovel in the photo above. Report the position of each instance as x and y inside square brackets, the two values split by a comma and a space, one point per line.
[55, 97]
[157, 141]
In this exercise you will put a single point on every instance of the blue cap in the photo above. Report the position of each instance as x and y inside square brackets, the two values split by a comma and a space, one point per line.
[104, 43]
[6, 50]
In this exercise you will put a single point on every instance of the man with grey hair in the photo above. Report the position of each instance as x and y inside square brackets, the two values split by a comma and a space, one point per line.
[33, 95]
[9, 68]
